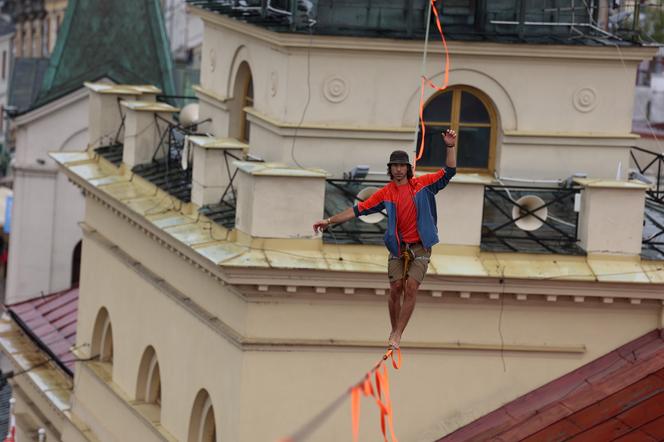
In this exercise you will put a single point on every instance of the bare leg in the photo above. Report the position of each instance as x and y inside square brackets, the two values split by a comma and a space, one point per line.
[406, 310]
[394, 305]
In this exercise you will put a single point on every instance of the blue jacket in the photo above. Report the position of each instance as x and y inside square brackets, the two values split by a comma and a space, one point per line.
[424, 189]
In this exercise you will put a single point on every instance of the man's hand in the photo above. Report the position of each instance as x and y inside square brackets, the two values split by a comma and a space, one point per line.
[321, 225]
[449, 138]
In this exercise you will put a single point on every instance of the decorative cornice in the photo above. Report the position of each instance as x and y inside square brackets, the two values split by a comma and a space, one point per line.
[336, 131]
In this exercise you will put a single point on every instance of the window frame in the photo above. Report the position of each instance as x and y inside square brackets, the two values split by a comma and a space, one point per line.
[455, 125]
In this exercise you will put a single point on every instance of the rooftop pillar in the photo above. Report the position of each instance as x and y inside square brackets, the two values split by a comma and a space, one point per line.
[460, 208]
[213, 167]
[105, 112]
[278, 201]
[611, 217]
[143, 129]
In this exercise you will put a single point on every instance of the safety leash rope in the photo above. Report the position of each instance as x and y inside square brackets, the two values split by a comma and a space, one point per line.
[426, 81]
[379, 389]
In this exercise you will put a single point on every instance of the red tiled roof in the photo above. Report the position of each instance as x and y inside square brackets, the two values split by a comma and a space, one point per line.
[619, 396]
[51, 320]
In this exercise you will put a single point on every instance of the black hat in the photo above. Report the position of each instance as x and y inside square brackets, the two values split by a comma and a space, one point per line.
[398, 157]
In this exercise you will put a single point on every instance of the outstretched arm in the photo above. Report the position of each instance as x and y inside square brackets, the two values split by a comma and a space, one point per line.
[341, 217]
[450, 138]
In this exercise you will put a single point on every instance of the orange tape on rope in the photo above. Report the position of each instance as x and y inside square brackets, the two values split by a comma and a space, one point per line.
[427, 82]
[381, 394]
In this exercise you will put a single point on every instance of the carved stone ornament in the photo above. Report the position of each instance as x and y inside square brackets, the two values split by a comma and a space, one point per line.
[585, 99]
[335, 89]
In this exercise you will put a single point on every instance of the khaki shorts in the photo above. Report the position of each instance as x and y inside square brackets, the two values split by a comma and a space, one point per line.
[417, 268]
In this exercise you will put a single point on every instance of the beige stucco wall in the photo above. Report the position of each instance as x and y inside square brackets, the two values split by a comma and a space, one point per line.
[281, 386]
[46, 207]
[364, 96]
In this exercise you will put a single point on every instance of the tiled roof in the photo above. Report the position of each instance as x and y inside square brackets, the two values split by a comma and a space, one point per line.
[619, 396]
[26, 79]
[123, 40]
[50, 321]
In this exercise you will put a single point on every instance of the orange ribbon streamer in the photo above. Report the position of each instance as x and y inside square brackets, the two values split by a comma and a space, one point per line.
[381, 394]
[427, 82]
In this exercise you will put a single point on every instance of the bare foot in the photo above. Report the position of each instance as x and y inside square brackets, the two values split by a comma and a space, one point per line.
[395, 340]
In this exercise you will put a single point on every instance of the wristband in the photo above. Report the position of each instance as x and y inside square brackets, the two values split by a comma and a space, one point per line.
[449, 146]
[329, 221]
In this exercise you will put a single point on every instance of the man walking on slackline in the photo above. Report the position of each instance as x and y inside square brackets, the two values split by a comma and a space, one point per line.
[411, 227]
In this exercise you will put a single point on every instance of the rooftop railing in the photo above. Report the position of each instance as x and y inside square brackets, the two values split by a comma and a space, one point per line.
[408, 18]
[545, 221]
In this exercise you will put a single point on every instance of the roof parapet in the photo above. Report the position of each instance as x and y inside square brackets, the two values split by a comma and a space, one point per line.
[213, 166]
[278, 201]
[144, 122]
[601, 231]
[105, 113]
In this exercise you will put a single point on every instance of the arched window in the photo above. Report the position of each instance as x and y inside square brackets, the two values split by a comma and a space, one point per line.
[243, 96]
[148, 388]
[102, 337]
[76, 265]
[201, 424]
[470, 113]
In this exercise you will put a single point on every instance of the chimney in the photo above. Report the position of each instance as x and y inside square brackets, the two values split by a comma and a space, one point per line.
[278, 201]
[213, 166]
[105, 112]
[144, 122]
[611, 218]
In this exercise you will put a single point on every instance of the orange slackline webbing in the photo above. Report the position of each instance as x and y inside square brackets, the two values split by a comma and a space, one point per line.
[382, 386]
[381, 393]
[427, 81]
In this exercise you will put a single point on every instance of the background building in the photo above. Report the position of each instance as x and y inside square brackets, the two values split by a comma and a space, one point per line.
[45, 243]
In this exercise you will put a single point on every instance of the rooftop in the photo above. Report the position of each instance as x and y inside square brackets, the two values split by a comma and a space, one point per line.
[51, 322]
[619, 396]
[227, 249]
[133, 48]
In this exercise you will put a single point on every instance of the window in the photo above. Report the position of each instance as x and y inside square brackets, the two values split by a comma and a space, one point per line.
[243, 96]
[202, 426]
[470, 113]
[75, 263]
[4, 64]
[102, 337]
[149, 378]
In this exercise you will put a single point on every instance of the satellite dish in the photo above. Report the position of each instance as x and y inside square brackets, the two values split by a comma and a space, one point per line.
[189, 115]
[363, 195]
[533, 204]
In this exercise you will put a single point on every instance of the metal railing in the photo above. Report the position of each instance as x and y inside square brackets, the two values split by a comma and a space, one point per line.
[653, 230]
[342, 193]
[407, 18]
[651, 164]
[558, 232]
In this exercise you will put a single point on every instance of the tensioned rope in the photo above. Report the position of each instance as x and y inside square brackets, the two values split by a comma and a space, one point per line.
[375, 382]
[425, 81]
